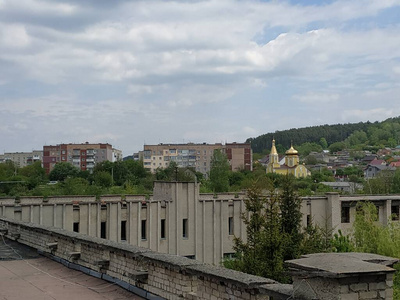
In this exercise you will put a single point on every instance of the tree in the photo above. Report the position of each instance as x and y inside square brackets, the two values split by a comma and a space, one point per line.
[291, 216]
[219, 173]
[263, 252]
[34, 174]
[335, 147]
[63, 170]
[103, 179]
[323, 143]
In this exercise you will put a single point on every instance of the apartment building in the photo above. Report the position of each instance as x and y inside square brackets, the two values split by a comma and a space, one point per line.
[84, 156]
[22, 159]
[197, 156]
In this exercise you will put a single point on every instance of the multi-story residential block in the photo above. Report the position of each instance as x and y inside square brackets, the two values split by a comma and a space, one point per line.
[197, 156]
[22, 159]
[84, 156]
[117, 155]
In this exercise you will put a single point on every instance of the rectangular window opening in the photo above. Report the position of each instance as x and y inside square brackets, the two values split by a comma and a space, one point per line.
[103, 232]
[345, 214]
[309, 223]
[395, 212]
[163, 235]
[230, 225]
[123, 230]
[185, 228]
[76, 227]
[144, 234]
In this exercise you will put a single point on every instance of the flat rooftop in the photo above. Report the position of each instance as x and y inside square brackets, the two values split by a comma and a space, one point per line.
[24, 274]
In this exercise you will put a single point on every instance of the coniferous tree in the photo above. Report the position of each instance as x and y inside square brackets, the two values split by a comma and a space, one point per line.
[291, 216]
[262, 253]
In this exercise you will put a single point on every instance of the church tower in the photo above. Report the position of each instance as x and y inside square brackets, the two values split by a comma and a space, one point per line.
[292, 157]
[273, 159]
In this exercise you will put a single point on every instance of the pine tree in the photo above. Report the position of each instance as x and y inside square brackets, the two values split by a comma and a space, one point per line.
[262, 253]
[290, 205]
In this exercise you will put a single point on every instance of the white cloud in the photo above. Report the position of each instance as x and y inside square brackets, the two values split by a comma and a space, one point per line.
[317, 98]
[379, 113]
[215, 65]
[13, 36]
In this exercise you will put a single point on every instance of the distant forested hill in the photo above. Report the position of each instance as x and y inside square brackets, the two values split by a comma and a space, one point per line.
[386, 133]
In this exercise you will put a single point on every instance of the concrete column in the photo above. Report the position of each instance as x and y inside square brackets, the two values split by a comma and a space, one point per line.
[214, 235]
[204, 230]
[333, 211]
[130, 223]
[41, 214]
[387, 211]
[98, 220]
[63, 216]
[158, 224]
[149, 226]
[31, 213]
[139, 223]
[89, 217]
[195, 222]
[177, 223]
[119, 221]
[55, 215]
[222, 227]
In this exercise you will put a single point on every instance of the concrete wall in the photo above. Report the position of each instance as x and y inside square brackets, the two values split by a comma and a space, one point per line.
[208, 238]
[328, 276]
[145, 272]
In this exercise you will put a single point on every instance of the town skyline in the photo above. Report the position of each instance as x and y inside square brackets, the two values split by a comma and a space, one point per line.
[148, 72]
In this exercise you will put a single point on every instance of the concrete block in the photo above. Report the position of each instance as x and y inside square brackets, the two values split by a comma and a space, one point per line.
[356, 287]
[352, 296]
[368, 295]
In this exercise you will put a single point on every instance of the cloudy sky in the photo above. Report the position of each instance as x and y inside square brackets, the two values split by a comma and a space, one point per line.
[135, 72]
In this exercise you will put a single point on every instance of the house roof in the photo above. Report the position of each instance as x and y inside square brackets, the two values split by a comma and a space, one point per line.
[377, 162]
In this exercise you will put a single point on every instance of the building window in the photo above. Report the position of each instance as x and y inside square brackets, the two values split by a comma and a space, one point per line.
[345, 214]
[229, 255]
[123, 230]
[377, 212]
[144, 235]
[163, 235]
[230, 225]
[309, 221]
[76, 227]
[185, 232]
[395, 212]
[103, 232]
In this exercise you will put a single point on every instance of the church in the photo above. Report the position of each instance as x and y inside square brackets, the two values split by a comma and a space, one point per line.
[291, 164]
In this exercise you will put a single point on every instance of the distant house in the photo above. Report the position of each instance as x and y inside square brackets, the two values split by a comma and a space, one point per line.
[395, 164]
[377, 162]
[347, 187]
[372, 171]
[368, 158]
[384, 152]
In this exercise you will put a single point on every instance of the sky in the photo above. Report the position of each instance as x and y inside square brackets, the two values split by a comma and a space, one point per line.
[130, 73]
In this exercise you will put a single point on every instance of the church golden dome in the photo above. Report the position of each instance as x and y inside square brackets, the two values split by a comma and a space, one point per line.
[292, 151]
[273, 148]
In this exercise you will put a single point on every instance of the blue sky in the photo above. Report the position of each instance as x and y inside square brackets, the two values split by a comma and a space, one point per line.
[135, 72]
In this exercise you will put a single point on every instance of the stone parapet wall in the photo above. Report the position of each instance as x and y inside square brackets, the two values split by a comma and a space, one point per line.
[164, 275]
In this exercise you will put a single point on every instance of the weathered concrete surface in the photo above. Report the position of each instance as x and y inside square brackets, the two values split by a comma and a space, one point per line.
[343, 264]
[42, 279]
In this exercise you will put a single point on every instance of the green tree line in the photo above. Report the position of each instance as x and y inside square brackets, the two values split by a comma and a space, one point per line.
[353, 135]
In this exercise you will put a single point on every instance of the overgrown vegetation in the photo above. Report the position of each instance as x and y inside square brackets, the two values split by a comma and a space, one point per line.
[274, 233]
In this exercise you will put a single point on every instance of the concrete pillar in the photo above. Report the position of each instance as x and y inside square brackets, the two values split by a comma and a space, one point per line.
[333, 211]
